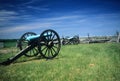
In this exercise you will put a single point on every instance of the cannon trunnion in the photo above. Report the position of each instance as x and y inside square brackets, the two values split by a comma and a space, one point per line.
[47, 44]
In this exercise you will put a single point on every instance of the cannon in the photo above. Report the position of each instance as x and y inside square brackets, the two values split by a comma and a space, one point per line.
[47, 44]
[71, 40]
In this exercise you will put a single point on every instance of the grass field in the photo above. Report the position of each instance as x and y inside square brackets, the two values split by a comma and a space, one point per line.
[83, 62]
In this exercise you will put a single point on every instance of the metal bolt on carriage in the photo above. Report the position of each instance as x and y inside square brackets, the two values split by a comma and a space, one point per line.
[47, 44]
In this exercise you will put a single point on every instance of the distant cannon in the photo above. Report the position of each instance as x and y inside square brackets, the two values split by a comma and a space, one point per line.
[47, 44]
[71, 40]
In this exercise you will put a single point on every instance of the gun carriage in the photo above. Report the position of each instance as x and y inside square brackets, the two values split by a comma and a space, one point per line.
[47, 44]
[71, 40]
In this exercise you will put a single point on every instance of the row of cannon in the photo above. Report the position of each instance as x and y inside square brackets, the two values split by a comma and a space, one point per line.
[47, 44]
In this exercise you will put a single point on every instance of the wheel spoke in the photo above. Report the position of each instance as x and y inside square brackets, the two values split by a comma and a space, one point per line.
[23, 38]
[54, 50]
[53, 37]
[27, 35]
[47, 36]
[56, 42]
[46, 51]
[42, 43]
[36, 51]
[52, 53]
[50, 34]
[33, 51]
[55, 46]
[44, 48]
[30, 52]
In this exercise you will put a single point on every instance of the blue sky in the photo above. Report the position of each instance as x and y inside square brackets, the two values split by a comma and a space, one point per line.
[67, 17]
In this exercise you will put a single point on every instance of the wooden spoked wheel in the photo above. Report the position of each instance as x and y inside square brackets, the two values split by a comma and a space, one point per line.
[49, 44]
[23, 43]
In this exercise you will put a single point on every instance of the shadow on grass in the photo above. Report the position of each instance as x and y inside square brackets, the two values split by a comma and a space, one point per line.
[8, 62]
[25, 60]
[30, 59]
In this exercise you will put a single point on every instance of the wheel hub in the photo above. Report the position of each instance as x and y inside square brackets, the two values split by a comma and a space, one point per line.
[50, 44]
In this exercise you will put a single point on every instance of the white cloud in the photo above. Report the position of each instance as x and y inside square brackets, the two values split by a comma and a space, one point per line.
[6, 16]
[79, 22]
[64, 17]
[25, 27]
[60, 18]
[38, 8]
[11, 18]
[30, 2]
[7, 13]
[46, 23]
